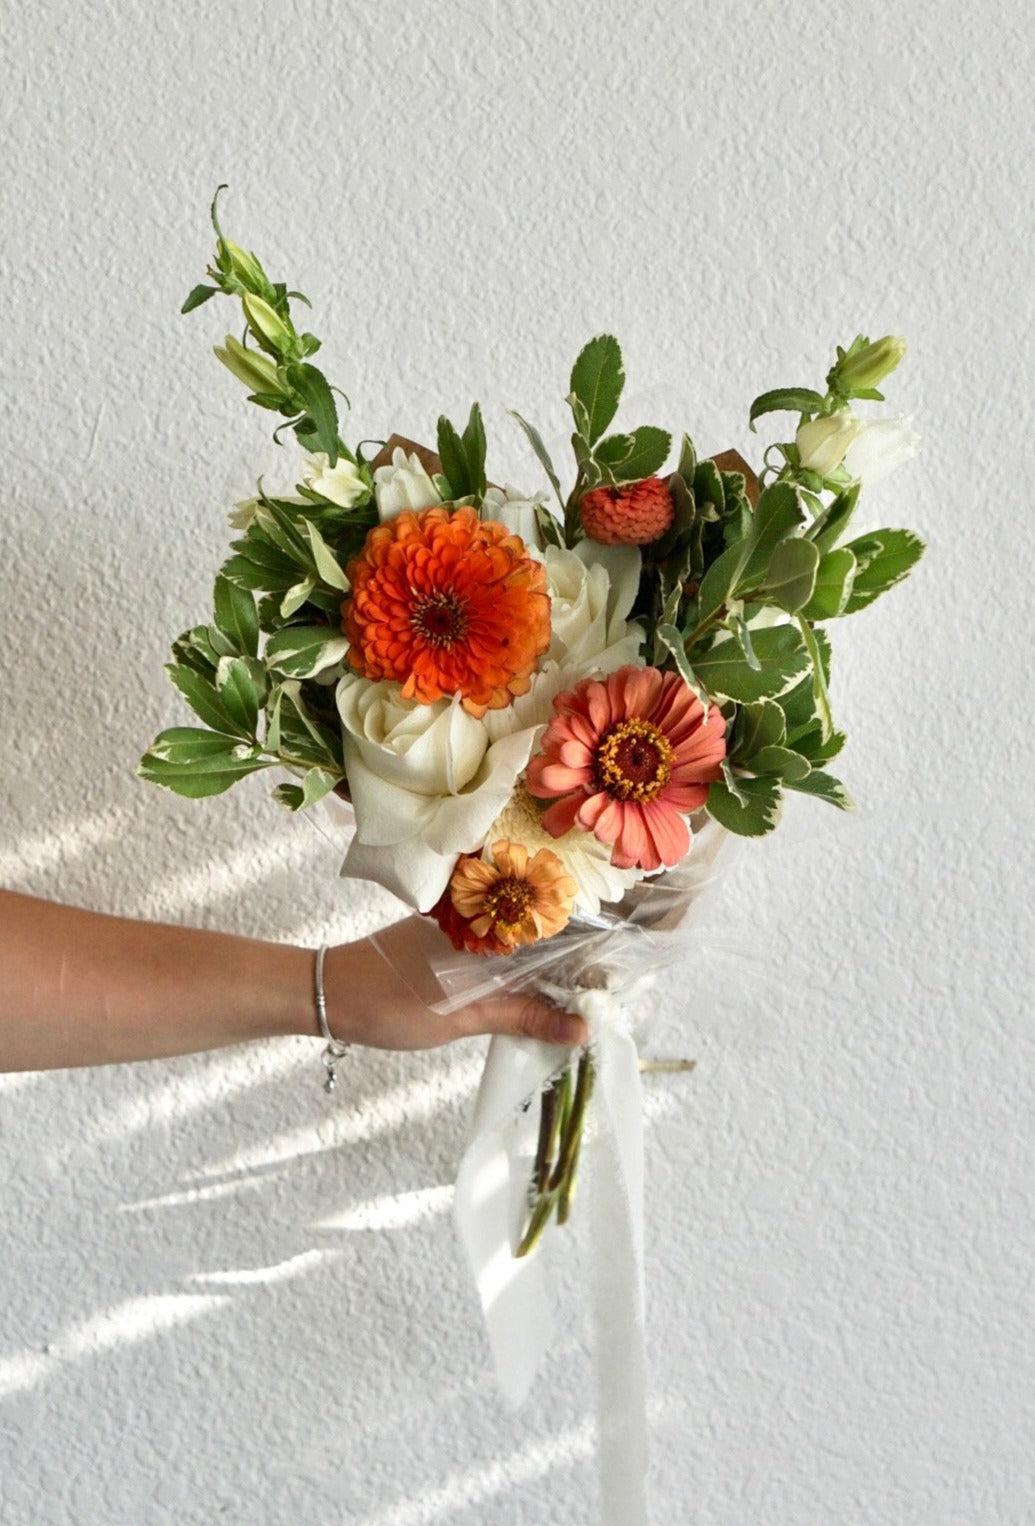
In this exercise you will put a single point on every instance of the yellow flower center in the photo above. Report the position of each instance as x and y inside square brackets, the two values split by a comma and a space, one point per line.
[440, 618]
[634, 760]
[508, 902]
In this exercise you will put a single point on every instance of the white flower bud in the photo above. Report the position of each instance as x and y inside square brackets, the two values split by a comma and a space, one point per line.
[403, 485]
[880, 449]
[342, 483]
[822, 442]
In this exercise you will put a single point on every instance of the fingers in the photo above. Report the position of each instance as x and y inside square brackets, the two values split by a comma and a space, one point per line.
[524, 1015]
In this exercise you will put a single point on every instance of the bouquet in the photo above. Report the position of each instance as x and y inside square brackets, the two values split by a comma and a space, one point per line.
[545, 709]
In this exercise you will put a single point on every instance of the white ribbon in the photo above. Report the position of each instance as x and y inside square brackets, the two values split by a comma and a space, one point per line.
[490, 1205]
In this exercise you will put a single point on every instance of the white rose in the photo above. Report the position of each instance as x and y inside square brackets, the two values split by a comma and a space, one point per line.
[591, 593]
[592, 590]
[426, 783]
[341, 483]
[881, 448]
[822, 442]
[510, 507]
[403, 485]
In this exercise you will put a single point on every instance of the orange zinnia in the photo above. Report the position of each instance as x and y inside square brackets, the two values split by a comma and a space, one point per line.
[513, 898]
[445, 603]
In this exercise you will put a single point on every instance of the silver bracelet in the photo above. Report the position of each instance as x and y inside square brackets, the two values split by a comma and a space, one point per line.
[335, 1049]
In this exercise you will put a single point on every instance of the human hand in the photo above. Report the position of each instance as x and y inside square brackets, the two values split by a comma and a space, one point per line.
[380, 992]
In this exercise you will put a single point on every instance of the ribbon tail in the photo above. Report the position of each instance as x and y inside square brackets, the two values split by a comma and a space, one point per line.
[614, 1185]
[489, 1206]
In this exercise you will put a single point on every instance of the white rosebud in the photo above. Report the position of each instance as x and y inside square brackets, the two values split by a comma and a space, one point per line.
[341, 484]
[881, 448]
[508, 506]
[822, 442]
[403, 485]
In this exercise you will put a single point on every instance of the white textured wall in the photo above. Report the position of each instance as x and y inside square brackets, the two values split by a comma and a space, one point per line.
[221, 1298]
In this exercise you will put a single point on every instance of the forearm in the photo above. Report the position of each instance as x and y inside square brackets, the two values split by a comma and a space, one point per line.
[81, 988]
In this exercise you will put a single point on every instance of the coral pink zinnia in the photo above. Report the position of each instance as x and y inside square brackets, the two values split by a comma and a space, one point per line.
[631, 514]
[625, 758]
[445, 603]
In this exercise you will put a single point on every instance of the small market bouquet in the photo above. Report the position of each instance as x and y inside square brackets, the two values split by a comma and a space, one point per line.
[538, 705]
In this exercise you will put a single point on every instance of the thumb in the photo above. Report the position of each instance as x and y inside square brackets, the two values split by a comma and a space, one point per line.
[524, 1014]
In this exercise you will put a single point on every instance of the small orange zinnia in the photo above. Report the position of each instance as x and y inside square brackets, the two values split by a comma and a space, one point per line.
[629, 514]
[512, 898]
[445, 603]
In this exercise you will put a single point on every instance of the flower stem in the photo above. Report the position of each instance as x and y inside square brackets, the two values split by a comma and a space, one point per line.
[562, 1113]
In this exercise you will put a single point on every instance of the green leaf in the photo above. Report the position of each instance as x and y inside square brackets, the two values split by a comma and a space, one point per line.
[820, 677]
[754, 819]
[721, 579]
[792, 574]
[827, 529]
[708, 488]
[580, 414]
[296, 596]
[198, 296]
[673, 641]
[779, 514]
[474, 448]
[826, 787]
[781, 654]
[201, 696]
[259, 564]
[646, 455]
[311, 386]
[817, 749]
[453, 457]
[885, 557]
[542, 455]
[783, 762]
[731, 781]
[834, 581]
[198, 763]
[760, 724]
[687, 464]
[294, 734]
[300, 651]
[742, 634]
[235, 616]
[315, 784]
[241, 683]
[194, 650]
[550, 527]
[597, 379]
[615, 449]
[785, 400]
[196, 744]
[326, 562]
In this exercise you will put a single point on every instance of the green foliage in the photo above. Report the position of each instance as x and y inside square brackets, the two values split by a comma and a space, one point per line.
[787, 400]
[884, 558]
[597, 379]
[630, 457]
[541, 453]
[782, 657]
[318, 430]
[197, 763]
[235, 616]
[300, 651]
[835, 577]
[791, 577]
[463, 456]
[751, 808]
